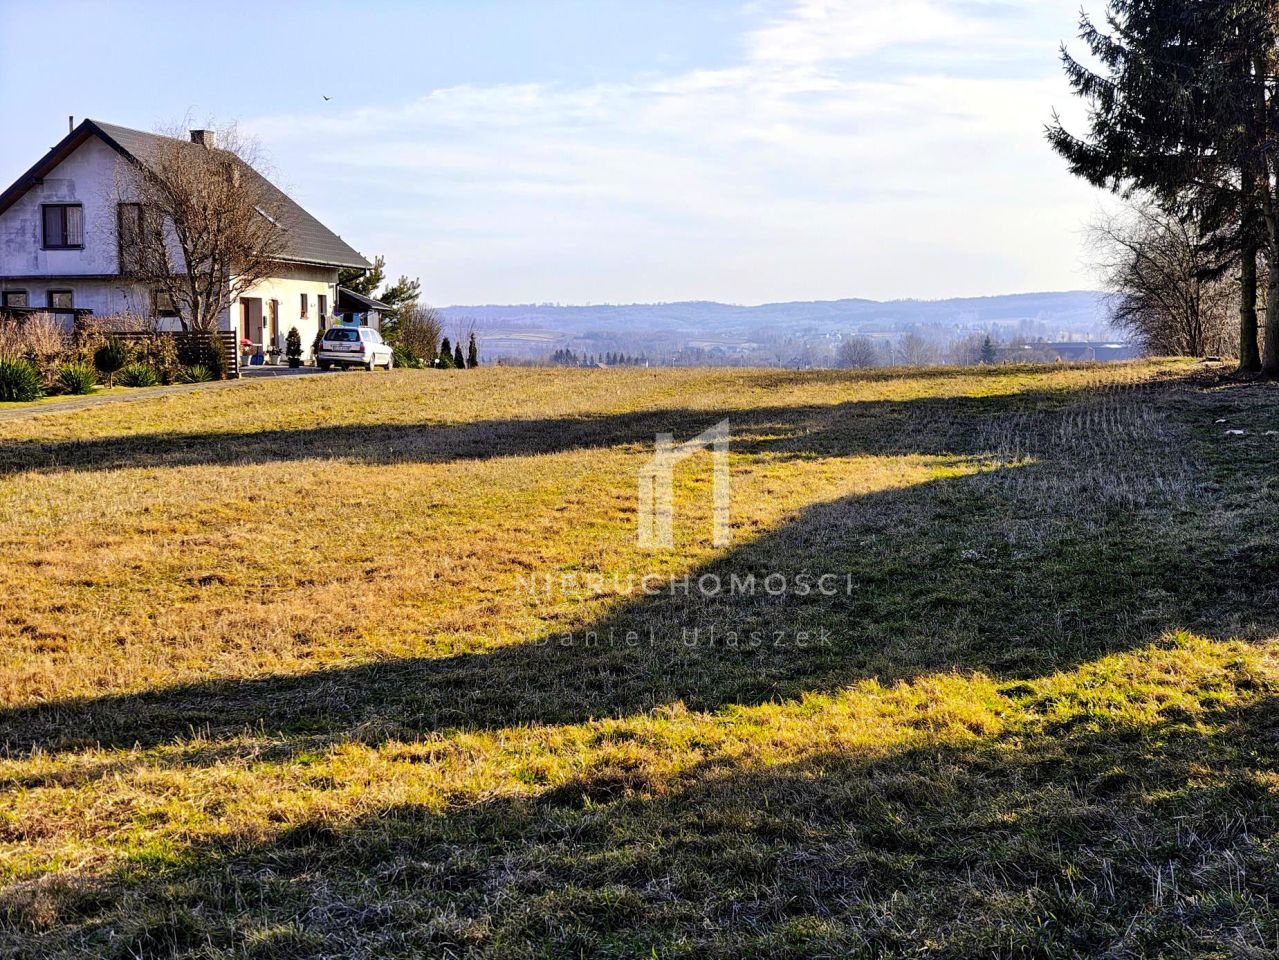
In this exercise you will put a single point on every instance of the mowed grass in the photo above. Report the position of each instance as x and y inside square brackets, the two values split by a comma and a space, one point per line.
[363, 665]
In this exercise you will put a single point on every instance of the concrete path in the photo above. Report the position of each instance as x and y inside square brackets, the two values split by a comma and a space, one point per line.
[118, 395]
[271, 373]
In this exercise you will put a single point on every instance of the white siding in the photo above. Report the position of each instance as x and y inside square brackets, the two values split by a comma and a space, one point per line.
[86, 177]
[288, 289]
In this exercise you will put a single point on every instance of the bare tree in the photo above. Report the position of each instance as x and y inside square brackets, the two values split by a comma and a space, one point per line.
[858, 353]
[1169, 288]
[966, 352]
[914, 351]
[198, 223]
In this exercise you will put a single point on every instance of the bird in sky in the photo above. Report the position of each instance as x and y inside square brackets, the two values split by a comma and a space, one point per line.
[326, 98]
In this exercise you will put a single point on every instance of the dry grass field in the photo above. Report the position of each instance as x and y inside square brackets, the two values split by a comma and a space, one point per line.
[357, 666]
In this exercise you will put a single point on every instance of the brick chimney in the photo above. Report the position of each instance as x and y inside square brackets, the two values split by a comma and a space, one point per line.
[204, 138]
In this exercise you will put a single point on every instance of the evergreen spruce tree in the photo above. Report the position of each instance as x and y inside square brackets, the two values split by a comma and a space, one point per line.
[472, 353]
[364, 282]
[1183, 107]
[446, 354]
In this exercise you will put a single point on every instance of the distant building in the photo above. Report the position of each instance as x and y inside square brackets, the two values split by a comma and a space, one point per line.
[1071, 351]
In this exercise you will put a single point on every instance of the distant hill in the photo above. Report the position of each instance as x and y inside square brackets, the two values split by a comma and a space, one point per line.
[758, 332]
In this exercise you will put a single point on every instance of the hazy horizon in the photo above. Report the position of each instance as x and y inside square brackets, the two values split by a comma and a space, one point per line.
[767, 303]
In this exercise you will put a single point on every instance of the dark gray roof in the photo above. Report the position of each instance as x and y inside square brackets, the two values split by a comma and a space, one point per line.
[360, 300]
[309, 241]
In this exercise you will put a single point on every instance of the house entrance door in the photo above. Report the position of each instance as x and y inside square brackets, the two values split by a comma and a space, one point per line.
[251, 321]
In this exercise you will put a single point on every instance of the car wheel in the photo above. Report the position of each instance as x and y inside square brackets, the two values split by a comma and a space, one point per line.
[324, 364]
[390, 362]
[371, 365]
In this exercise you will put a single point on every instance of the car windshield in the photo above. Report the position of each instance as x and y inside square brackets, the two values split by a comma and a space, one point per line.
[349, 336]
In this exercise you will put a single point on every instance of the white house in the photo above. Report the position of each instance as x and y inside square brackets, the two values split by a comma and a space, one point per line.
[60, 248]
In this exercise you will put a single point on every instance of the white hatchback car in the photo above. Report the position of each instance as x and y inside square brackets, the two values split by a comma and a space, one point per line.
[354, 347]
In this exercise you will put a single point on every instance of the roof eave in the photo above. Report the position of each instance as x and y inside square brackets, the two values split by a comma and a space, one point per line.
[369, 301]
[362, 265]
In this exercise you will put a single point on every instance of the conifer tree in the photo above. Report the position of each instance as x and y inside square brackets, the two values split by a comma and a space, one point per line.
[987, 350]
[1184, 107]
[472, 353]
[364, 282]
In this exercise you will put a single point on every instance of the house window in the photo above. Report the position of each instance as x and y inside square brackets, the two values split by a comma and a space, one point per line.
[162, 304]
[14, 298]
[324, 305]
[304, 299]
[63, 226]
[129, 236]
[60, 299]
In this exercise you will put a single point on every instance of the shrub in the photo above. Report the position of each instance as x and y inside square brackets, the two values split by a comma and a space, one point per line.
[445, 359]
[11, 345]
[293, 347]
[46, 343]
[203, 351]
[217, 359]
[159, 351]
[77, 378]
[138, 375]
[198, 373]
[91, 336]
[406, 358]
[109, 358]
[38, 338]
[418, 328]
[19, 382]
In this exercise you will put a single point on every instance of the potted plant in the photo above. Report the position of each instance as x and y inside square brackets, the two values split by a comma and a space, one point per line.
[293, 347]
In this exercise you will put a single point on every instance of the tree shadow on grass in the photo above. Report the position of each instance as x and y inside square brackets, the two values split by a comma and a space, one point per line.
[1100, 838]
[997, 572]
[873, 427]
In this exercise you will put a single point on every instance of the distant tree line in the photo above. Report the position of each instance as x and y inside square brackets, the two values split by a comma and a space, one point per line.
[569, 358]
[861, 352]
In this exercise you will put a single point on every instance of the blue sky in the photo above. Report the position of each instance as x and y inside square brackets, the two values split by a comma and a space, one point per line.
[612, 151]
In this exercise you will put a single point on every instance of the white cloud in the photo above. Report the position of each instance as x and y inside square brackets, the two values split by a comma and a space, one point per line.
[821, 31]
[852, 151]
